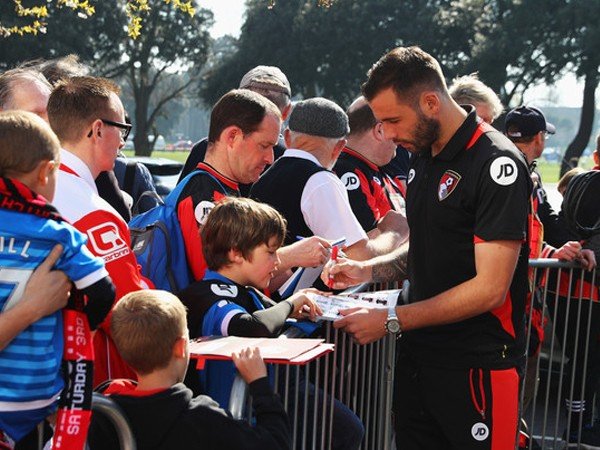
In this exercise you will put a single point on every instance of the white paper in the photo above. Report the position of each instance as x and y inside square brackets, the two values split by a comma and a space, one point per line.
[331, 304]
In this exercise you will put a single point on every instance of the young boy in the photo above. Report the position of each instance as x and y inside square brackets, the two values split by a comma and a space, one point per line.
[240, 240]
[30, 227]
[150, 330]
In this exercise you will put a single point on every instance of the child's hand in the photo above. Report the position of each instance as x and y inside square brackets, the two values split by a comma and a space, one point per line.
[304, 307]
[250, 364]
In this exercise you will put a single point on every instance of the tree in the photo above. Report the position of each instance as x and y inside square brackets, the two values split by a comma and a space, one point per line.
[163, 63]
[328, 51]
[581, 19]
[33, 17]
[324, 51]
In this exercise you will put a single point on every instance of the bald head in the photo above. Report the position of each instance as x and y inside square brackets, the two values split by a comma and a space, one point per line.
[366, 134]
[25, 90]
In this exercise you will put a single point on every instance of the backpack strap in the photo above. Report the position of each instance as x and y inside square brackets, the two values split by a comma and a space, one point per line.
[129, 179]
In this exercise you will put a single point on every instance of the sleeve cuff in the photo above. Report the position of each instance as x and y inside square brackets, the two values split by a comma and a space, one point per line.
[260, 387]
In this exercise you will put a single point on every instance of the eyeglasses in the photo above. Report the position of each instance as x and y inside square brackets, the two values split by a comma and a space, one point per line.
[124, 128]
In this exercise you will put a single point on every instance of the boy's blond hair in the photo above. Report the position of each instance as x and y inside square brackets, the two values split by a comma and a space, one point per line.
[145, 326]
[241, 224]
[25, 141]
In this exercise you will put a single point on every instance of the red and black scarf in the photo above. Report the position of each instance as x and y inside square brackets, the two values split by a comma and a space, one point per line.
[75, 405]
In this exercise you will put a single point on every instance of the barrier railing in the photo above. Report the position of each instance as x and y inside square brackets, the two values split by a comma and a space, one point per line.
[361, 377]
[561, 375]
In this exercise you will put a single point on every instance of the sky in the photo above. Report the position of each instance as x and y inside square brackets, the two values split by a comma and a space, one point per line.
[229, 17]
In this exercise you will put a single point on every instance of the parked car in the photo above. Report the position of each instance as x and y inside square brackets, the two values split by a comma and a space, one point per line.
[183, 144]
[165, 172]
[160, 144]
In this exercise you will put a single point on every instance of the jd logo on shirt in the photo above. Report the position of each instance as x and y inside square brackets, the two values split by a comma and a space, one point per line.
[350, 181]
[480, 431]
[503, 171]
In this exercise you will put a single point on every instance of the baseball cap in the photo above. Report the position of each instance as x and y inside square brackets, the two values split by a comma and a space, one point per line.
[270, 78]
[319, 117]
[526, 121]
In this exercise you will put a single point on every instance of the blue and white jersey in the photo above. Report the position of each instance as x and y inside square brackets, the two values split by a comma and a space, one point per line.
[30, 365]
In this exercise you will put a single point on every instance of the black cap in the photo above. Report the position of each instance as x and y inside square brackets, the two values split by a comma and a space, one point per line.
[526, 121]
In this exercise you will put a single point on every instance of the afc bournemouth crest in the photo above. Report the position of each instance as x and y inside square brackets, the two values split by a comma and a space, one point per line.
[448, 183]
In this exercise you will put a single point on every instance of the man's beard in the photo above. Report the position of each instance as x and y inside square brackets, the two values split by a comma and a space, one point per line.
[426, 132]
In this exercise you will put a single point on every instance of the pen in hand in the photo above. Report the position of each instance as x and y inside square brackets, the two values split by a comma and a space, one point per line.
[334, 255]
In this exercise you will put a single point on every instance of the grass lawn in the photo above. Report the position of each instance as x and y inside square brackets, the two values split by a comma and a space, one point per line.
[550, 170]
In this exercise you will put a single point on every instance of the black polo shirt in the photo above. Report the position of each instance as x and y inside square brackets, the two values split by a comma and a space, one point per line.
[476, 189]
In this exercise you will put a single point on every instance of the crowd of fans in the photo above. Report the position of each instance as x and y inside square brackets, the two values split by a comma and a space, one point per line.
[255, 202]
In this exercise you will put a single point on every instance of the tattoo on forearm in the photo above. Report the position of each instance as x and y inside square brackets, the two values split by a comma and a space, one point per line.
[391, 270]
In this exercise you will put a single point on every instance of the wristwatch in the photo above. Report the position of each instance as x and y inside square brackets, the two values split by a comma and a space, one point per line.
[392, 324]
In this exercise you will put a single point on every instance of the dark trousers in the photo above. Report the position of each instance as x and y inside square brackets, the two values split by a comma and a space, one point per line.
[461, 409]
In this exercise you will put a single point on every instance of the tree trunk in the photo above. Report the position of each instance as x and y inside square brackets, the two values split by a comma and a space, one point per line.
[140, 140]
[586, 123]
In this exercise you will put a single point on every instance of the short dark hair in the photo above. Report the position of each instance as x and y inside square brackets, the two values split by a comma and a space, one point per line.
[77, 101]
[242, 108]
[361, 119]
[241, 224]
[408, 71]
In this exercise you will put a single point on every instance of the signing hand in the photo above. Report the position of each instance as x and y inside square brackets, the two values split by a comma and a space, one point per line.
[303, 306]
[365, 325]
[309, 252]
[345, 273]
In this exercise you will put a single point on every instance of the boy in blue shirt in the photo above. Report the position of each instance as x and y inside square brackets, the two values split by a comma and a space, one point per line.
[240, 239]
[30, 227]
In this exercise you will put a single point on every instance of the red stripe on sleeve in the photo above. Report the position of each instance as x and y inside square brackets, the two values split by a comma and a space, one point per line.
[478, 240]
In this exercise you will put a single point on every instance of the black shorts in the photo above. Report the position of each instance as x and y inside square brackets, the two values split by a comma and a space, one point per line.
[461, 409]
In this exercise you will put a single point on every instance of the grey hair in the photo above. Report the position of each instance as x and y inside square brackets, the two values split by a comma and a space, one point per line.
[469, 89]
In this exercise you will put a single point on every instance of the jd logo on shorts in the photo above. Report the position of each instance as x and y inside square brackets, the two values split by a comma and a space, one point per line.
[503, 171]
[350, 181]
[480, 431]
[448, 183]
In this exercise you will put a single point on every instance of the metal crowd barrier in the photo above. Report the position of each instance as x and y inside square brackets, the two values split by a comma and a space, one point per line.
[359, 376]
[569, 306]
[105, 406]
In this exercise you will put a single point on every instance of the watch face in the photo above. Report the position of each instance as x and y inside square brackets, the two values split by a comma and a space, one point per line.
[393, 326]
